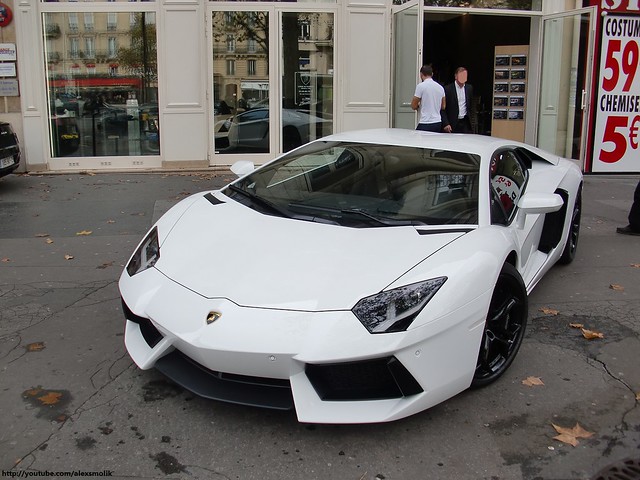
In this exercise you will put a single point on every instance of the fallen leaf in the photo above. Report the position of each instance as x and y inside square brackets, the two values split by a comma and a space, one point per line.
[105, 265]
[111, 221]
[50, 398]
[571, 435]
[615, 286]
[549, 311]
[638, 396]
[635, 265]
[532, 381]
[32, 392]
[49, 241]
[84, 232]
[61, 418]
[35, 347]
[41, 235]
[68, 257]
[576, 325]
[5, 260]
[591, 335]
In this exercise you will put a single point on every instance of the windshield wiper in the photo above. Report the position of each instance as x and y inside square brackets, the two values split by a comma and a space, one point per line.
[381, 220]
[263, 202]
[334, 212]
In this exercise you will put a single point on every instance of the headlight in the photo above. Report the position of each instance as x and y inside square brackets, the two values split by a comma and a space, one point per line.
[147, 254]
[394, 310]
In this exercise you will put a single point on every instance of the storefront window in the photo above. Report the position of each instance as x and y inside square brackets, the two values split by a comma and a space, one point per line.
[95, 1]
[102, 84]
[241, 106]
[534, 5]
[307, 81]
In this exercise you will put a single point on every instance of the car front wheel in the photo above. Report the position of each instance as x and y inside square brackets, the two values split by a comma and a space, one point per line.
[504, 327]
[570, 248]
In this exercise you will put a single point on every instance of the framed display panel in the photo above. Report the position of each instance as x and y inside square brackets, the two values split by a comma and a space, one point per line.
[510, 79]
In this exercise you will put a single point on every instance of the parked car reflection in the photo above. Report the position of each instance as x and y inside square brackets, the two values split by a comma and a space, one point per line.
[249, 130]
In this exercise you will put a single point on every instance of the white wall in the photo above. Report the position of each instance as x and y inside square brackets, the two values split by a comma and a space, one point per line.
[183, 70]
[365, 74]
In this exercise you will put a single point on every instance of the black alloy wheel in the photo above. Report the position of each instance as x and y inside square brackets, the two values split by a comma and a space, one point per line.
[570, 248]
[504, 327]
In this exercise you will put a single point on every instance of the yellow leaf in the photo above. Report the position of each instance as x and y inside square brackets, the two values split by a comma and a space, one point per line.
[591, 335]
[49, 241]
[68, 257]
[549, 311]
[616, 287]
[571, 435]
[51, 398]
[638, 396]
[35, 347]
[84, 232]
[576, 325]
[532, 381]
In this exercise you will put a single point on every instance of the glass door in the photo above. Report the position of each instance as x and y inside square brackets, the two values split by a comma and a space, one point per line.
[567, 50]
[307, 77]
[271, 80]
[241, 82]
[406, 39]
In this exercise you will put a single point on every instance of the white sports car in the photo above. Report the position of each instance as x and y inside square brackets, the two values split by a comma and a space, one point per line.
[363, 277]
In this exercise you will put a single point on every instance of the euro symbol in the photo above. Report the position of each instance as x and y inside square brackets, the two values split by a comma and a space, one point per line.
[633, 131]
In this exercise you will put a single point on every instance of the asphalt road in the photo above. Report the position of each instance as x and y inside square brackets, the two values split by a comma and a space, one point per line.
[71, 399]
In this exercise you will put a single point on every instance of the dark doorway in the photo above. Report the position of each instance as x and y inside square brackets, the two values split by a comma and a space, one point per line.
[453, 40]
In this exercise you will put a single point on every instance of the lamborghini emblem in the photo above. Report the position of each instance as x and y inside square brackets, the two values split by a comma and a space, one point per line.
[212, 317]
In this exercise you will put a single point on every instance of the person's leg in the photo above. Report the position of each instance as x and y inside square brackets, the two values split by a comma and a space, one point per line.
[634, 216]
[634, 213]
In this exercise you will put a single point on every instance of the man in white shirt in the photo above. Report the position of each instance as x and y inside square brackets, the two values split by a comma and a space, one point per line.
[429, 98]
[459, 112]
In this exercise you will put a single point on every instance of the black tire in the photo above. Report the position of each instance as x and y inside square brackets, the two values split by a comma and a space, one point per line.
[504, 328]
[571, 247]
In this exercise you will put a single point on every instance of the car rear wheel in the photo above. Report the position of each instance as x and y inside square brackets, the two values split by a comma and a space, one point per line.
[570, 248]
[504, 327]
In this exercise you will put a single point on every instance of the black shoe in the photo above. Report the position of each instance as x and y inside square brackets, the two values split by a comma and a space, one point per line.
[627, 230]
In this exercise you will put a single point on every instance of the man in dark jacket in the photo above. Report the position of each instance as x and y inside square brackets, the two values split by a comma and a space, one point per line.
[459, 113]
[634, 216]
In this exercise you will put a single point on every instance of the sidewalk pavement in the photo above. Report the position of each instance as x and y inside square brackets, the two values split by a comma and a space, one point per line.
[72, 399]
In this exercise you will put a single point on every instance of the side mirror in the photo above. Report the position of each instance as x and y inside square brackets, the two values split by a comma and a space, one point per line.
[242, 168]
[537, 203]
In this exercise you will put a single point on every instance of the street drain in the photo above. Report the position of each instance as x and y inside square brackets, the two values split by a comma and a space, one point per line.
[628, 469]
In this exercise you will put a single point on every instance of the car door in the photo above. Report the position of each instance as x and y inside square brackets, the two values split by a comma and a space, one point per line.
[509, 176]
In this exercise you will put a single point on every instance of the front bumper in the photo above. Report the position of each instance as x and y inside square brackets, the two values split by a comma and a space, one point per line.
[326, 365]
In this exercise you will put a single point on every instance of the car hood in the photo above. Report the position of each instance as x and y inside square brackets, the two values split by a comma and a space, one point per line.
[227, 250]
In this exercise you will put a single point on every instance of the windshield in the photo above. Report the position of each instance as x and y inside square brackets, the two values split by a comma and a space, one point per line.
[366, 185]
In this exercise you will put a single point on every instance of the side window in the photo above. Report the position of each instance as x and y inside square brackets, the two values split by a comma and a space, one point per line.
[508, 179]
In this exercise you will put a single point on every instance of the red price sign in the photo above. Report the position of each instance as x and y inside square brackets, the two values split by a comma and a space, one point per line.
[617, 130]
[618, 116]
[618, 60]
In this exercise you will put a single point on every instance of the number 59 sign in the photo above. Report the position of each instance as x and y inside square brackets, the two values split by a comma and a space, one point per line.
[617, 135]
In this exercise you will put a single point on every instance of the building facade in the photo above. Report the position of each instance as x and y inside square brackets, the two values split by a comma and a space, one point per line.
[183, 84]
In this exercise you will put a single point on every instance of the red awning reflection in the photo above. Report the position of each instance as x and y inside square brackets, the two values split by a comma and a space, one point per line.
[96, 82]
